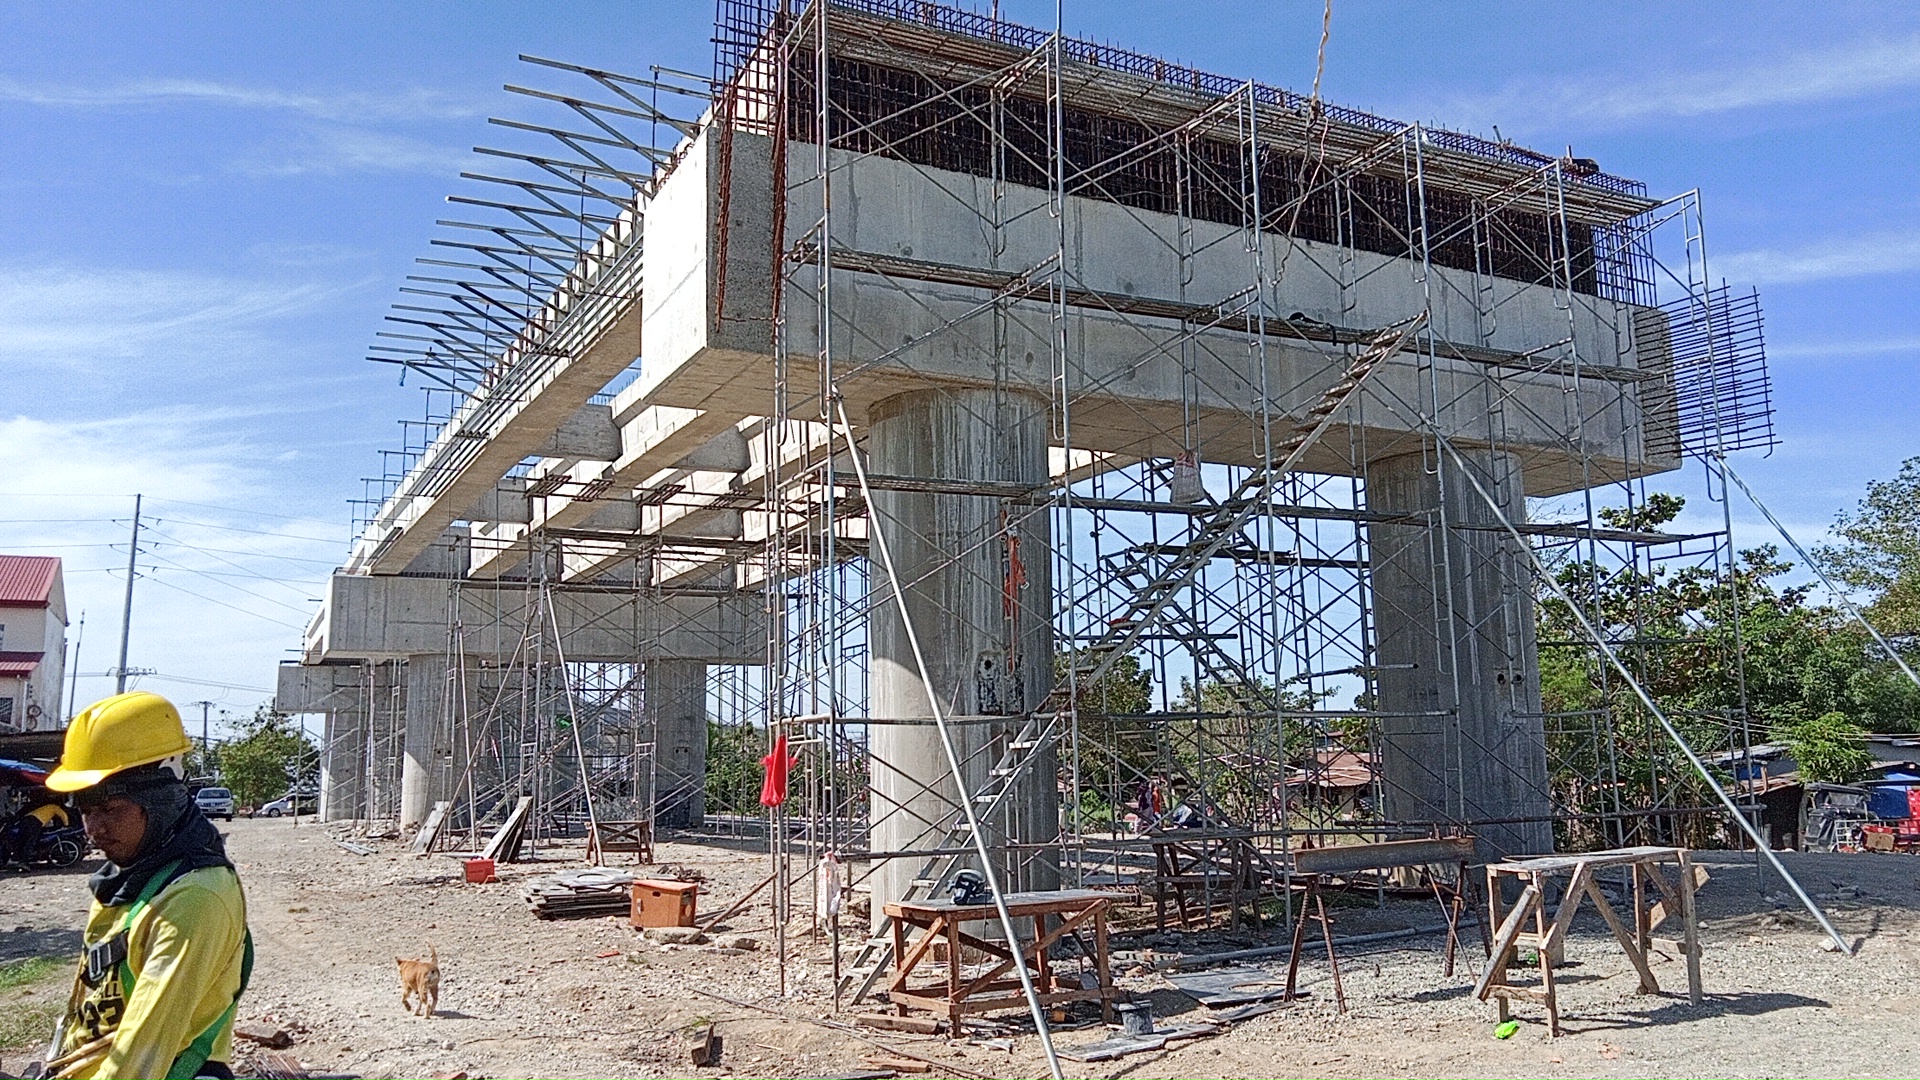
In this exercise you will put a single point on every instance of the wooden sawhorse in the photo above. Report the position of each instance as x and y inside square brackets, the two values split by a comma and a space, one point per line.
[1547, 937]
[1314, 864]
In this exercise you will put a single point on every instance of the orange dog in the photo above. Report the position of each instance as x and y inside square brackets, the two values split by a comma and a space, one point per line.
[420, 982]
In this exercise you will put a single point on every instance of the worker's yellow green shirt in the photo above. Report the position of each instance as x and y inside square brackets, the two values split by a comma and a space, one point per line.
[185, 950]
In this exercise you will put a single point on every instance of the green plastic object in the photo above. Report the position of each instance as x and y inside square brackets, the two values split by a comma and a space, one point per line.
[1506, 1029]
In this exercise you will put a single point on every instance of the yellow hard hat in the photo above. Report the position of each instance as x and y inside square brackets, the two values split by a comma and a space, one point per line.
[116, 733]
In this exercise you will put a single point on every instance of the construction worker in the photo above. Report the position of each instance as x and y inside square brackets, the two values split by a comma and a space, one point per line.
[167, 949]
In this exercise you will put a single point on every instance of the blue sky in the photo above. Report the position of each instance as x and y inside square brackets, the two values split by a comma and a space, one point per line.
[208, 208]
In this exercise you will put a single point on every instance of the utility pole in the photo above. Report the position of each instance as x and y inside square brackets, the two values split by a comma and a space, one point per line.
[204, 706]
[73, 675]
[126, 615]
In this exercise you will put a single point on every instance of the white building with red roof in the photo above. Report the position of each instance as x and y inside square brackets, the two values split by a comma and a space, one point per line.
[33, 643]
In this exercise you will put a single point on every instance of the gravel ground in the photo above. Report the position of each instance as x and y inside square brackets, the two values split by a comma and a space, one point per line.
[522, 997]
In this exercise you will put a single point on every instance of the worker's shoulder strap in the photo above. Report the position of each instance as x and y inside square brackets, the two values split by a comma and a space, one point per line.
[188, 1064]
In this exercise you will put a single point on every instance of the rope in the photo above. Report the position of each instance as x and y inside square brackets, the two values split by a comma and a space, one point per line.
[1320, 64]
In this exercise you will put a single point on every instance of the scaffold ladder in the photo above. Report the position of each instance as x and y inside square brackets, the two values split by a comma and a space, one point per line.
[1149, 604]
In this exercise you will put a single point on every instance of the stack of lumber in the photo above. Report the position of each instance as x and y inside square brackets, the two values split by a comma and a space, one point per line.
[579, 894]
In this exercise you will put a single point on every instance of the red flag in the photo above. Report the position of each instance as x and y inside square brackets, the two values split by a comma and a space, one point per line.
[774, 791]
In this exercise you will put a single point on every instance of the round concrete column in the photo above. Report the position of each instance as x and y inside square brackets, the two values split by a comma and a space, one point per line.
[976, 573]
[676, 702]
[343, 765]
[1463, 735]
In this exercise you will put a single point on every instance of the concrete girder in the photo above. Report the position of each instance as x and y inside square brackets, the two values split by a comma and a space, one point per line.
[390, 618]
[650, 440]
[587, 333]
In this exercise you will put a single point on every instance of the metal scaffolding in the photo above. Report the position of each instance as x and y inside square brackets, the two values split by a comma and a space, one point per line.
[1260, 594]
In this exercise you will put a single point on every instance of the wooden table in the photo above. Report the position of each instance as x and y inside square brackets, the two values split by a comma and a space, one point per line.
[606, 837]
[955, 994]
[1210, 862]
[1537, 875]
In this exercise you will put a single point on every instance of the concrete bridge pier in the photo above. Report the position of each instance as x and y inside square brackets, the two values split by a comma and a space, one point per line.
[975, 572]
[676, 705]
[1462, 733]
[431, 768]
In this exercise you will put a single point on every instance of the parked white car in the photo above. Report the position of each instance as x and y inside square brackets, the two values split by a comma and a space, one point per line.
[284, 805]
[215, 802]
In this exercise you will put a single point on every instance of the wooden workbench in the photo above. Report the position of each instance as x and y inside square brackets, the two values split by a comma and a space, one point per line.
[955, 995]
[1536, 877]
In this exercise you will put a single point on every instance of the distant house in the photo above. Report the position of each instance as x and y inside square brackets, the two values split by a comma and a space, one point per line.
[33, 643]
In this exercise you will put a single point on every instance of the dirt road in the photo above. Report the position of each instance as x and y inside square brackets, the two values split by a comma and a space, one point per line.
[586, 998]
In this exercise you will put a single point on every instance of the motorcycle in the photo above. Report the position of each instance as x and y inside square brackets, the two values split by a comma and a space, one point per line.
[61, 847]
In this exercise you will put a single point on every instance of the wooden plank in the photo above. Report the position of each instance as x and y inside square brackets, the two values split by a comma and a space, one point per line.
[1569, 907]
[1673, 901]
[1350, 858]
[505, 843]
[1690, 920]
[1550, 864]
[430, 829]
[1503, 940]
[919, 1025]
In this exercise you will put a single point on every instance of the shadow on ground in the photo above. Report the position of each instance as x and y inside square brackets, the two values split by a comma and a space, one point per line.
[25, 944]
[1682, 1011]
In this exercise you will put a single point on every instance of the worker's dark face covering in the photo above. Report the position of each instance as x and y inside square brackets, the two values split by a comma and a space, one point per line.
[176, 829]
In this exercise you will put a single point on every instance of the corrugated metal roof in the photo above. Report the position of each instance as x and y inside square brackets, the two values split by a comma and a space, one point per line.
[27, 579]
[19, 664]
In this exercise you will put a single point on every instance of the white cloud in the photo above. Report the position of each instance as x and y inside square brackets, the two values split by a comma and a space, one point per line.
[333, 149]
[1882, 253]
[1857, 69]
[82, 317]
[412, 104]
[1815, 350]
[221, 594]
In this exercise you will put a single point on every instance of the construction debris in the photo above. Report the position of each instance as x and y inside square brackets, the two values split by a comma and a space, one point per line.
[1121, 1045]
[272, 1036]
[580, 894]
[430, 829]
[676, 935]
[919, 1025]
[1236, 985]
[705, 1048]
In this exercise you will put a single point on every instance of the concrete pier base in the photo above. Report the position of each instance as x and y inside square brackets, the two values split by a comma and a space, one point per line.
[975, 572]
[1462, 732]
[676, 706]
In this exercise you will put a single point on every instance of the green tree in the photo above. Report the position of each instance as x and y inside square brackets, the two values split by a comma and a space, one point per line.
[268, 758]
[1879, 550]
[1720, 653]
[733, 767]
[1829, 748]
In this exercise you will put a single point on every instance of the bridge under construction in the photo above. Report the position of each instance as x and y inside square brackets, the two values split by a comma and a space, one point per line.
[1026, 436]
